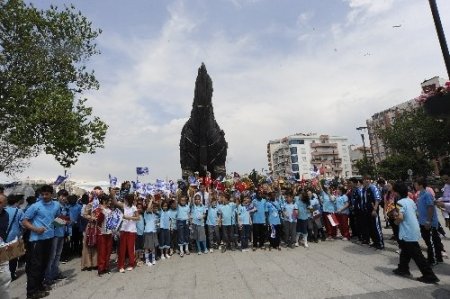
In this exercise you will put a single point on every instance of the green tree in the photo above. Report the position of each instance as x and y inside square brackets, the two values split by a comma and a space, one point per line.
[364, 167]
[416, 132]
[396, 166]
[43, 75]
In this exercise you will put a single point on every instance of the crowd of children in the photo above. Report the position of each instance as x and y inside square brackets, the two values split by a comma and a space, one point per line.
[143, 229]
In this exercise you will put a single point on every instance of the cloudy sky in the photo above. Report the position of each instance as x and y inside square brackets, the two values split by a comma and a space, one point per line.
[278, 67]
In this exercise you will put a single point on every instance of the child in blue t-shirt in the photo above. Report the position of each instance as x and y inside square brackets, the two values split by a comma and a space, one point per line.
[173, 227]
[151, 219]
[290, 212]
[244, 221]
[274, 209]
[198, 227]
[139, 243]
[183, 215]
[226, 215]
[164, 231]
[213, 228]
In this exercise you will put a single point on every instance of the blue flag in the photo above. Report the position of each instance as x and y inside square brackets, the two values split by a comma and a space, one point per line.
[112, 181]
[142, 171]
[59, 180]
[160, 184]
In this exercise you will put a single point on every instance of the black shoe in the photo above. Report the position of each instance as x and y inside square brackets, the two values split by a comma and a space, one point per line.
[38, 294]
[428, 279]
[402, 273]
[13, 276]
[60, 277]
[224, 249]
[46, 287]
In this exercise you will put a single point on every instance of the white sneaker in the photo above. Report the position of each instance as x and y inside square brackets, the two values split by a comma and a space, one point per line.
[122, 270]
[199, 253]
[444, 255]
[163, 257]
[344, 239]
[205, 252]
[129, 268]
[245, 250]
[149, 264]
[187, 252]
[306, 245]
[167, 256]
[296, 244]
[154, 262]
[211, 250]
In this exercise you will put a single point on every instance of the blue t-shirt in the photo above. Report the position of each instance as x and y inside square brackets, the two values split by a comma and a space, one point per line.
[164, 219]
[60, 231]
[288, 211]
[173, 219]
[409, 229]
[75, 213]
[197, 214]
[42, 214]
[183, 212]
[14, 227]
[227, 213]
[150, 220]
[341, 201]
[303, 211]
[424, 201]
[140, 225]
[273, 208]
[244, 215]
[327, 205]
[259, 216]
[211, 219]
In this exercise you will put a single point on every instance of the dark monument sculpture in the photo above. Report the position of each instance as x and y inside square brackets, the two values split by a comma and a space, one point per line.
[202, 145]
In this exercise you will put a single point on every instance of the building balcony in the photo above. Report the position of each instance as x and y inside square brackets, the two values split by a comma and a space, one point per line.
[326, 144]
[325, 153]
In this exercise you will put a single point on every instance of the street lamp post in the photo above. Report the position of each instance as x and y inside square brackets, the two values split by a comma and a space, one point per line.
[441, 34]
[363, 141]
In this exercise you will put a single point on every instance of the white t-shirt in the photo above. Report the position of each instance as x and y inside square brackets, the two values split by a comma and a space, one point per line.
[129, 225]
[104, 230]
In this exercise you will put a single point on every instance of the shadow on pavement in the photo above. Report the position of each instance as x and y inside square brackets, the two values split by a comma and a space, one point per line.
[425, 292]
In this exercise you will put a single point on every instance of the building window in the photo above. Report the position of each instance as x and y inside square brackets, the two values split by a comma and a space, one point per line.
[294, 159]
[293, 150]
[297, 141]
[295, 167]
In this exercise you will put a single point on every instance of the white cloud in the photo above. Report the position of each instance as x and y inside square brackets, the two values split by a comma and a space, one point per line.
[329, 82]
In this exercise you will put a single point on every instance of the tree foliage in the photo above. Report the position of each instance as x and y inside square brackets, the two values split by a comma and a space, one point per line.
[413, 140]
[43, 76]
[365, 167]
[416, 132]
[396, 166]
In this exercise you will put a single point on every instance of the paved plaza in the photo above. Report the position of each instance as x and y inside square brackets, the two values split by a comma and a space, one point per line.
[330, 269]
